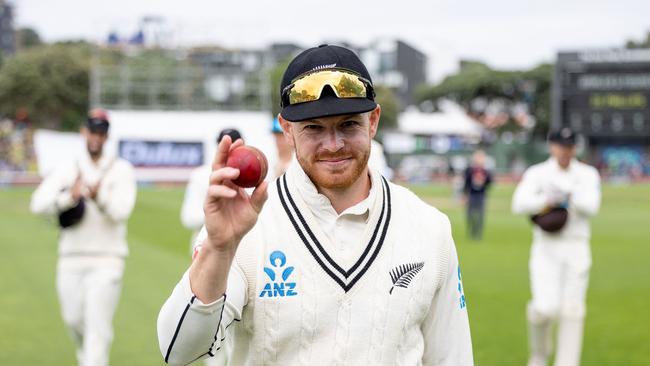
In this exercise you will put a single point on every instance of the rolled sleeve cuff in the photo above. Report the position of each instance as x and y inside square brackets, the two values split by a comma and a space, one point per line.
[198, 305]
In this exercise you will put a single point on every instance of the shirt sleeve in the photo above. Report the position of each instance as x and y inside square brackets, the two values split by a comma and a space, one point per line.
[116, 197]
[447, 339]
[528, 198]
[192, 215]
[585, 196]
[189, 330]
[53, 194]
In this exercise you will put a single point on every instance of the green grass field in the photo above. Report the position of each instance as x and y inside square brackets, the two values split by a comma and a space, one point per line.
[494, 273]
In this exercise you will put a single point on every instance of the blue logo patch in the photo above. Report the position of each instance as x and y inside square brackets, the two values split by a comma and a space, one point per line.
[460, 290]
[278, 286]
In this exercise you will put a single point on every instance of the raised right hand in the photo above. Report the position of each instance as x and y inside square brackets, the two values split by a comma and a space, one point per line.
[229, 211]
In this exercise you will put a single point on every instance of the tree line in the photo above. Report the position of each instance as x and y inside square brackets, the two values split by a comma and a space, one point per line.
[49, 85]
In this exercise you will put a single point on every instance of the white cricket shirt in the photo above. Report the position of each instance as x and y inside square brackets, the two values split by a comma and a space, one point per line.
[102, 230]
[580, 183]
[294, 299]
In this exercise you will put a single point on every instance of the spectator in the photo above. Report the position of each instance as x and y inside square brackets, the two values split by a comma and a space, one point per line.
[477, 182]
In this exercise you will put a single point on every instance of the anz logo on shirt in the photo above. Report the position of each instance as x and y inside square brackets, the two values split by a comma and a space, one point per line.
[278, 275]
[461, 290]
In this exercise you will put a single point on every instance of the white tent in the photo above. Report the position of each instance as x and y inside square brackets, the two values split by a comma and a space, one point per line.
[53, 148]
[451, 120]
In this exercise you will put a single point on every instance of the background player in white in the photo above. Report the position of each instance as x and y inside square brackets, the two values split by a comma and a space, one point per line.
[192, 215]
[377, 160]
[560, 260]
[91, 251]
[197, 188]
[338, 266]
[284, 150]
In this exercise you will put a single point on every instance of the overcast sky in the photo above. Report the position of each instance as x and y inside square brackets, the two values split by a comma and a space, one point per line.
[503, 33]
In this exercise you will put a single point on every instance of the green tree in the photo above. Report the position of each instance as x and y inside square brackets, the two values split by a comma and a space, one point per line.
[645, 43]
[27, 37]
[276, 79]
[385, 97]
[477, 80]
[50, 82]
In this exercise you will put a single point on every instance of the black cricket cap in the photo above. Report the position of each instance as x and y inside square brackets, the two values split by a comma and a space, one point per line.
[325, 57]
[233, 133]
[97, 121]
[563, 136]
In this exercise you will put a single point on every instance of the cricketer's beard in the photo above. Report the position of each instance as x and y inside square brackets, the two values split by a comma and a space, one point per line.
[338, 179]
[94, 150]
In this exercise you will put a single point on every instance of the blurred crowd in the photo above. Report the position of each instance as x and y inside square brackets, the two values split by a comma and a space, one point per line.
[629, 162]
[614, 163]
[16, 146]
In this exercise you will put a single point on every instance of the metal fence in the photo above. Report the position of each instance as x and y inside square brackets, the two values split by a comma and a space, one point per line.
[157, 79]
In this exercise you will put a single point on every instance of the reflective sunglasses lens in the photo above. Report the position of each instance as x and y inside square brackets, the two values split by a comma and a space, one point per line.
[309, 87]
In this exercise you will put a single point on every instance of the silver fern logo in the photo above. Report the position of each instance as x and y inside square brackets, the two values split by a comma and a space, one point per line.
[402, 275]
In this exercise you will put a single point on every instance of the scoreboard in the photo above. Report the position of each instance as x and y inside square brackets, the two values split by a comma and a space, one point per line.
[603, 93]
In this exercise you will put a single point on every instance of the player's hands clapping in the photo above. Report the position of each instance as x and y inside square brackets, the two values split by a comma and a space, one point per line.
[93, 190]
[557, 195]
[77, 189]
[230, 212]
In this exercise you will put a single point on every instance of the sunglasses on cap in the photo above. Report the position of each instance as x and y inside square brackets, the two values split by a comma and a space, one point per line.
[309, 86]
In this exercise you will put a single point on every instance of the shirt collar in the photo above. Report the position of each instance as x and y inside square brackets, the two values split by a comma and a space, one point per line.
[319, 203]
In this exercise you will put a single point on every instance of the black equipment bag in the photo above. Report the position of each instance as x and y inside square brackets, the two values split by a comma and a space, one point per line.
[73, 215]
[552, 220]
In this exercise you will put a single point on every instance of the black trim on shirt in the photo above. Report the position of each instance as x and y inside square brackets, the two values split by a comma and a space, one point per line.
[381, 239]
[218, 324]
[319, 253]
[220, 342]
[178, 328]
[374, 233]
[310, 233]
[304, 239]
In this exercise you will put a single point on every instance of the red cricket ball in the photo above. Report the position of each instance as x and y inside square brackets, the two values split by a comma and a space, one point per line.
[252, 165]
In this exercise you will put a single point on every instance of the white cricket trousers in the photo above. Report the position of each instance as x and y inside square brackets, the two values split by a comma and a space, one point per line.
[559, 276]
[89, 289]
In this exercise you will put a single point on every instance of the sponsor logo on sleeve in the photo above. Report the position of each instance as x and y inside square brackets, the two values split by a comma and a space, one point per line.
[461, 291]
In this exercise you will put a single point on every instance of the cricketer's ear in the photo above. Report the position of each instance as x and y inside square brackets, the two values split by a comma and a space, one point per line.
[287, 128]
[373, 117]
